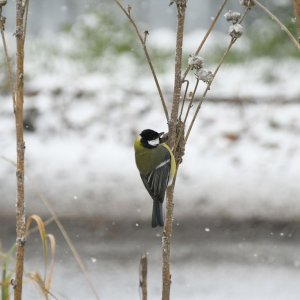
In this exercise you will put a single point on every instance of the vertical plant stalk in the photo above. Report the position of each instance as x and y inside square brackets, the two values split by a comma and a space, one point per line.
[167, 233]
[143, 276]
[20, 202]
[297, 15]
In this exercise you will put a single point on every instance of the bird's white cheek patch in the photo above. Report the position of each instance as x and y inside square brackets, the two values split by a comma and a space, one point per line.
[154, 142]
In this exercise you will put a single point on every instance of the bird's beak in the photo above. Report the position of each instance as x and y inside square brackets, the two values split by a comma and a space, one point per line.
[161, 134]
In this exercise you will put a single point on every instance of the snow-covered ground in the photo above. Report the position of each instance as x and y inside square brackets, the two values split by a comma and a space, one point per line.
[241, 160]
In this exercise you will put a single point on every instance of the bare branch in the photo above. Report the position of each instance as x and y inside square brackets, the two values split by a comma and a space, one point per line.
[143, 42]
[20, 203]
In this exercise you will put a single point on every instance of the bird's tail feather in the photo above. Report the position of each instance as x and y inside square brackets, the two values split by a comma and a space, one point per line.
[157, 214]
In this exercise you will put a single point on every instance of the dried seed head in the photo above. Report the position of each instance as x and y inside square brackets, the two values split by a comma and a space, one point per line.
[232, 16]
[236, 30]
[204, 75]
[247, 3]
[195, 61]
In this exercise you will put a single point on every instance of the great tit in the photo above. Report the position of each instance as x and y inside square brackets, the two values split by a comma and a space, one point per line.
[156, 164]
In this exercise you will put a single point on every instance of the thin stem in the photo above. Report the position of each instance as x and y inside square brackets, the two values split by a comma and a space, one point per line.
[143, 42]
[26, 8]
[186, 116]
[184, 98]
[211, 27]
[282, 26]
[297, 15]
[233, 40]
[143, 276]
[20, 203]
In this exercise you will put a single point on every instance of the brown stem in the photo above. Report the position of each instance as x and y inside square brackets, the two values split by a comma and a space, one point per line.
[297, 15]
[167, 233]
[20, 203]
[143, 42]
[143, 276]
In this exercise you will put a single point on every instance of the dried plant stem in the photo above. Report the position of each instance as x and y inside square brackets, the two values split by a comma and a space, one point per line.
[297, 15]
[143, 39]
[167, 233]
[282, 26]
[211, 27]
[233, 40]
[143, 276]
[20, 203]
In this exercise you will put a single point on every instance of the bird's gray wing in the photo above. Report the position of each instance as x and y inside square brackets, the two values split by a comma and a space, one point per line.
[156, 182]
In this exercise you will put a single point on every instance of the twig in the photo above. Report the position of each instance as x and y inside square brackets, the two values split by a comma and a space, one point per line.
[184, 98]
[282, 26]
[211, 27]
[143, 42]
[143, 276]
[20, 203]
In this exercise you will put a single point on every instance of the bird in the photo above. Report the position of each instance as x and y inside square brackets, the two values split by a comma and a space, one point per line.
[156, 164]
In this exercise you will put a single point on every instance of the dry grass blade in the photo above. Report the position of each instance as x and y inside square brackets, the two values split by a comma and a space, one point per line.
[43, 235]
[282, 26]
[37, 279]
[44, 284]
[54, 217]
[48, 280]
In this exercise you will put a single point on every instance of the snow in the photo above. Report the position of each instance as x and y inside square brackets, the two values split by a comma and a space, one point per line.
[241, 161]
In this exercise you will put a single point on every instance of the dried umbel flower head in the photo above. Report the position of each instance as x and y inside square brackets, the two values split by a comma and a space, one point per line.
[195, 61]
[205, 75]
[236, 30]
[247, 3]
[232, 16]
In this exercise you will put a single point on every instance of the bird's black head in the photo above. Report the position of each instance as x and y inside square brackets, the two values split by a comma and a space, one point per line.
[150, 138]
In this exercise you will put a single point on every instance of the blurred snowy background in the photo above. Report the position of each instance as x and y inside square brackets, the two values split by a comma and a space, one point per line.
[89, 92]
